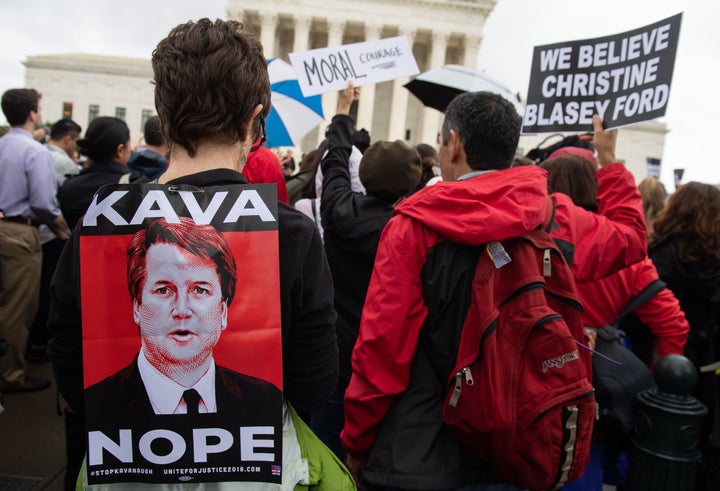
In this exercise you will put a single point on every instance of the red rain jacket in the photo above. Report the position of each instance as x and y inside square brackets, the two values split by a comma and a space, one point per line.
[494, 206]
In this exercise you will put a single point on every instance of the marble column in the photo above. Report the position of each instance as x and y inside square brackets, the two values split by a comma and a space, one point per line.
[432, 117]
[472, 46]
[336, 29]
[400, 95]
[366, 103]
[301, 38]
[268, 26]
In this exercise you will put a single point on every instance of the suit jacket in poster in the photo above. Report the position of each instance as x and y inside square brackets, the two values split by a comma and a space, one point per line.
[122, 397]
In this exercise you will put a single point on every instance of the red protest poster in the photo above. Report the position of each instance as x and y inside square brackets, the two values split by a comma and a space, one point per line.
[182, 354]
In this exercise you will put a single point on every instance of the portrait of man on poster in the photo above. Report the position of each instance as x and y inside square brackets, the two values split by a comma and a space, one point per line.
[182, 279]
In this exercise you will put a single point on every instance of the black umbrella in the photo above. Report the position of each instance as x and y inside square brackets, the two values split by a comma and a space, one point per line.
[436, 88]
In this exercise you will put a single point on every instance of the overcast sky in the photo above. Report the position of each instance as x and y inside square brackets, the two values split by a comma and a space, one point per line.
[133, 28]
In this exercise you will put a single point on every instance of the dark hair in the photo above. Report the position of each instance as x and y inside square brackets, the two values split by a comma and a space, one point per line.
[209, 76]
[692, 220]
[204, 241]
[426, 150]
[63, 127]
[489, 127]
[429, 159]
[18, 103]
[574, 176]
[102, 138]
[152, 133]
[522, 162]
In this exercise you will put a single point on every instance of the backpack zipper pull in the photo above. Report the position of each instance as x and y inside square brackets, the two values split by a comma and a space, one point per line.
[468, 376]
[457, 391]
[547, 265]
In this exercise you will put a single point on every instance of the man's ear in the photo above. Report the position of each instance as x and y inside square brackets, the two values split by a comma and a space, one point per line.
[455, 146]
[224, 314]
[136, 312]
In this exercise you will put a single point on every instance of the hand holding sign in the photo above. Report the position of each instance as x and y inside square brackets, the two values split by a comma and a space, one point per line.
[346, 97]
[329, 69]
[604, 141]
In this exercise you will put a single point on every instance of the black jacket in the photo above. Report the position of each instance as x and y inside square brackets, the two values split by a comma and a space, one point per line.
[148, 163]
[76, 193]
[308, 330]
[699, 297]
[352, 223]
[296, 184]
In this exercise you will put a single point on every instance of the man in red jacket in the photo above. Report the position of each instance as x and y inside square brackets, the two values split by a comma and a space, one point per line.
[393, 433]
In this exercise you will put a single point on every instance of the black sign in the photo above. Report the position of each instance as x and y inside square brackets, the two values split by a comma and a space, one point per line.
[624, 78]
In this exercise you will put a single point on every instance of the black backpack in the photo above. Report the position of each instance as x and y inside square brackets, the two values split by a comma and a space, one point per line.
[619, 375]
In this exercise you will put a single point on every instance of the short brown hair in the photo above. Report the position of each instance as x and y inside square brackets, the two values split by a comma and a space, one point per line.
[575, 176]
[209, 76]
[18, 103]
[152, 133]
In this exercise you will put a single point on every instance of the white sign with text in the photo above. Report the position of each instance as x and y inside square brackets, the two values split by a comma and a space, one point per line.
[329, 69]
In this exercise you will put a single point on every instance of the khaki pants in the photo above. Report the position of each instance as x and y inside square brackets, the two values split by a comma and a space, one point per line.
[20, 263]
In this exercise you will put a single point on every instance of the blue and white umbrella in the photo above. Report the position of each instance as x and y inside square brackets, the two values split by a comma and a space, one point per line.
[292, 116]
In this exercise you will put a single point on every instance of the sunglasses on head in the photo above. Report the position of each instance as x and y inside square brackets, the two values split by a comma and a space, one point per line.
[263, 136]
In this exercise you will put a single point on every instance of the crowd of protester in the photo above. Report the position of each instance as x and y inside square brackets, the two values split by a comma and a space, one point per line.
[358, 220]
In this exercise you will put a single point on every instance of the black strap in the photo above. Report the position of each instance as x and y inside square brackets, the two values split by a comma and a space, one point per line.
[315, 211]
[652, 289]
[549, 222]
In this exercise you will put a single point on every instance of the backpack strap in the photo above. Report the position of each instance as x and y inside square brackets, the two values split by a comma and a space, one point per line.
[549, 223]
[315, 211]
[652, 289]
[550, 209]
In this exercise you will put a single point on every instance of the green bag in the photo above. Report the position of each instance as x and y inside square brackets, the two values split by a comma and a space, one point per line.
[327, 472]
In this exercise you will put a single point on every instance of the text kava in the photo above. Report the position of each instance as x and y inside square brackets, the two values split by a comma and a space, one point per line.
[156, 204]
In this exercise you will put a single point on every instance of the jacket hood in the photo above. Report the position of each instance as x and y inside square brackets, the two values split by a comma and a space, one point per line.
[149, 163]
[497, 205]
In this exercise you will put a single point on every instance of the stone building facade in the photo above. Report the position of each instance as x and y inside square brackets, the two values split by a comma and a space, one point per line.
[82, 87]
[439, 31]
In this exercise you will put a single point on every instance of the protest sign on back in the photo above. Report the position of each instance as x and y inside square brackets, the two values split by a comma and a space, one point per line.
[625, 78]
[182, 346]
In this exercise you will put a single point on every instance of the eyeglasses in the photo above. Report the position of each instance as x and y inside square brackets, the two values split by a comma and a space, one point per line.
[263, 136]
